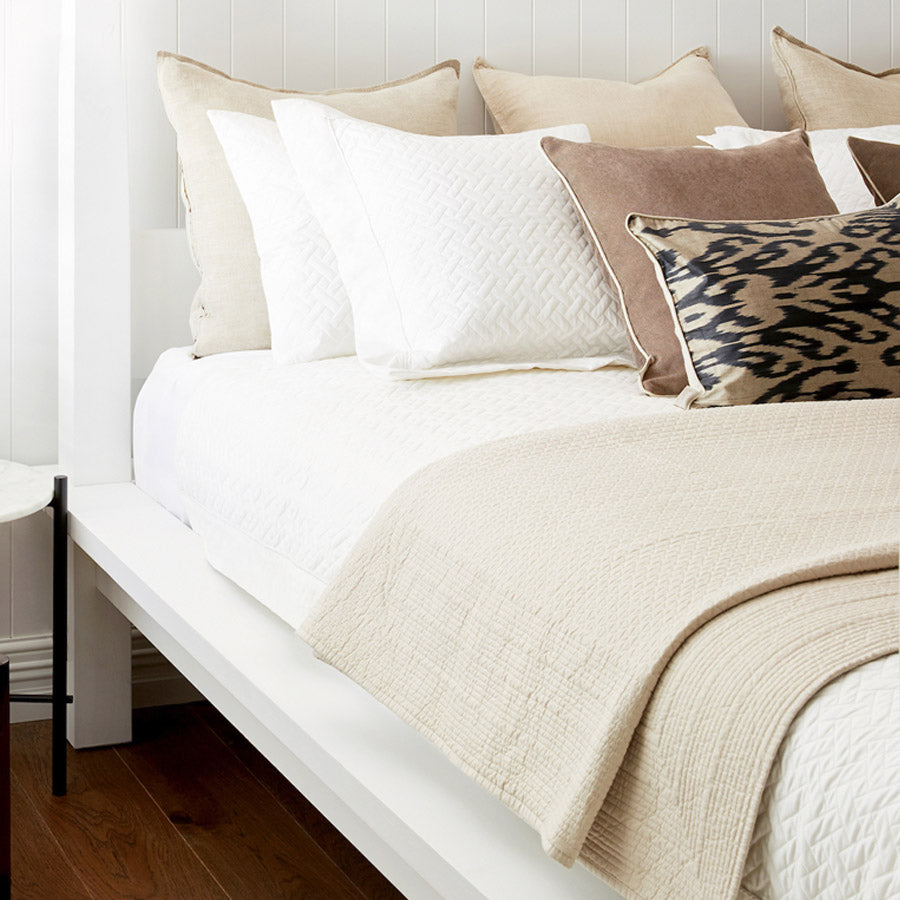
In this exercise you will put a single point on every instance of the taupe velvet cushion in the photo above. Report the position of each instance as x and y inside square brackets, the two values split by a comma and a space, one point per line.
[669, 109]
[819, 91]
[229, 309]
[879, 165]
[774, 180]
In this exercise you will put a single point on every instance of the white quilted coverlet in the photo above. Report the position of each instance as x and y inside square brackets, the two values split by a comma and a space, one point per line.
[829, 822]
[830, 151]
[290, 463]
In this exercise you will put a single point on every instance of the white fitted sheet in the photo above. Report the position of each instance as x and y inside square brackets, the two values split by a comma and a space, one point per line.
[280, 468]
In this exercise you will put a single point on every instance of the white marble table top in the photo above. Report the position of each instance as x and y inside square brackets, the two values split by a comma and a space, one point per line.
[23, 490]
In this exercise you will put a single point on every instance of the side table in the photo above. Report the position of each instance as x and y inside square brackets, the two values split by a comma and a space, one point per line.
[23, 491]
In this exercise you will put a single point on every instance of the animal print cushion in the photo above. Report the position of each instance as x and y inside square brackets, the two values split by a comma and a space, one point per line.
[803, 309]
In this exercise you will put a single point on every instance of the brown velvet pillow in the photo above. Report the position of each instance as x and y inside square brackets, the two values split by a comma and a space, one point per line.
[774, 180]
[879, 165]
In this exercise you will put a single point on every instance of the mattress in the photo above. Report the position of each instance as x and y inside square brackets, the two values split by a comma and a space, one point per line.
[280, 468]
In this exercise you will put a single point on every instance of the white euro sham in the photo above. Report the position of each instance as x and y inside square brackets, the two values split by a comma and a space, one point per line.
[459, 254]
[309, 310]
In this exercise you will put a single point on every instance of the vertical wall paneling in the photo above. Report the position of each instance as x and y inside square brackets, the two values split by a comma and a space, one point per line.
[603, 50]
[870, 34]
[150, 25]
[790, 15]
[204, 31]
[31, 582]
[828, 26]
[410, 37]
[5, 250]
[740, 54]
[649, 37]
[309, 45]
[460, 35]
[28, 299]
[895, 33]
[508, 35]
[359, 43]
[695, 24]
[257, 41]
[508, 39]
[557, 45]
[32, 60]
[5, 305]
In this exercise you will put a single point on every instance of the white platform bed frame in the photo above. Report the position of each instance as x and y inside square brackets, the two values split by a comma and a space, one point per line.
[429, 828]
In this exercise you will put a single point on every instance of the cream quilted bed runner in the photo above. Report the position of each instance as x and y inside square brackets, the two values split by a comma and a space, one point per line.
[612, 626]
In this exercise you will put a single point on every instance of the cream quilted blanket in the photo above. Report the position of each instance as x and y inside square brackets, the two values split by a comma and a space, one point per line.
[522, 604]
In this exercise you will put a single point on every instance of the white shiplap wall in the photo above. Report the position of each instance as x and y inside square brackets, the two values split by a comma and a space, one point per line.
[313, 45]
[320, 44]
[29, 35]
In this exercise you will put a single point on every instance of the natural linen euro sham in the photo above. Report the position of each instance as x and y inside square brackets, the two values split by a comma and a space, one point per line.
[229, 308]
[460, 254]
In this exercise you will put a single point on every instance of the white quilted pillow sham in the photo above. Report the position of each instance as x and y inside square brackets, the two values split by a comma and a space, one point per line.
[309, 310]
[829, 148]
[460, 254]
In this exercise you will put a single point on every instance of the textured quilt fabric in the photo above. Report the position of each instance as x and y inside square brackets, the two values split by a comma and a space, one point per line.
[519, 602]
[830, 813]
[460, 256]
[308, 306]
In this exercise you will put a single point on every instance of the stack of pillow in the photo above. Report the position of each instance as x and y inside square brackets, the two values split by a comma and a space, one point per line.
[359, 222]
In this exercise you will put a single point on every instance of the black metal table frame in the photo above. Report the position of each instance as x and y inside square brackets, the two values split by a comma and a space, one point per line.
[58, 696]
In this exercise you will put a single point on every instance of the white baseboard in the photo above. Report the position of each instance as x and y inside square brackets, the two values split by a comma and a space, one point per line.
[154, 680]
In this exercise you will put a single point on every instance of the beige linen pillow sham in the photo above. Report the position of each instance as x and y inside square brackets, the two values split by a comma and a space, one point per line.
[819, 91]
[229, 310]
[669, 109]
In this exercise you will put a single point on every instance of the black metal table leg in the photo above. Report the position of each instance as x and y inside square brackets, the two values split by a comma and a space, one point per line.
[60, 631]
[5, 821]
[58, 697]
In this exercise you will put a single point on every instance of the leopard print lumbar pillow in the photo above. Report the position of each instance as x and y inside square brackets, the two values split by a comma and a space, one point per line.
[767, 312]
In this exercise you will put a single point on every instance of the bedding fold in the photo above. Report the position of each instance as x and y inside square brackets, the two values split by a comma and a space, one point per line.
[521, 601]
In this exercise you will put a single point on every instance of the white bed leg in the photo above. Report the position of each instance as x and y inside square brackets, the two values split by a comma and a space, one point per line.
[99, 660]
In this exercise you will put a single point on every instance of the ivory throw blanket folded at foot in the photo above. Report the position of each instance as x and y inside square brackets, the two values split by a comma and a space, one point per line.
[522, 603]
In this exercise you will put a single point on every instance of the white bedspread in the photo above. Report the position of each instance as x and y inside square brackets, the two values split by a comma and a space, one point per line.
[281, 468]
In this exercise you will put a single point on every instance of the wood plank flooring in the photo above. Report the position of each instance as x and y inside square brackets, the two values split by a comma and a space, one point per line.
[188, 811]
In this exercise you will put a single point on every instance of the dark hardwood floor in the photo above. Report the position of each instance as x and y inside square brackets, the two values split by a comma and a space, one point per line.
[188, 811]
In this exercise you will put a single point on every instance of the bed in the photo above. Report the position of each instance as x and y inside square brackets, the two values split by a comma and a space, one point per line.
[328, 446]
[293, 508]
